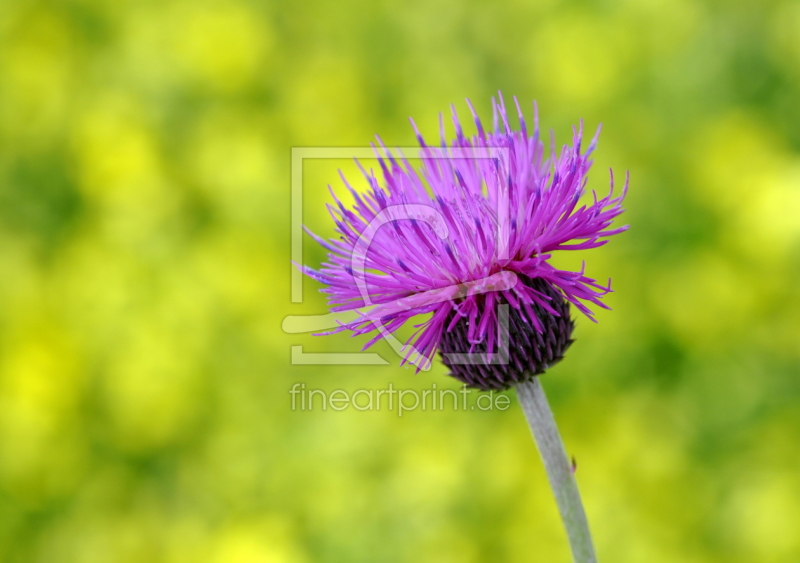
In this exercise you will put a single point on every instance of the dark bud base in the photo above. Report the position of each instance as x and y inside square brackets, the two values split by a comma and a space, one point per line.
[530, 353]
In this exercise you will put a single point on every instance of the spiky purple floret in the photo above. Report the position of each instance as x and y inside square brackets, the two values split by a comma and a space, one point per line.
[452, 239]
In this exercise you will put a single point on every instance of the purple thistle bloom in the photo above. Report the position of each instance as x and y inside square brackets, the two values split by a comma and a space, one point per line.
[474, 229]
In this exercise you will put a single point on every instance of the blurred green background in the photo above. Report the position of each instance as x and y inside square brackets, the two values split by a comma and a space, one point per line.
[144, 276]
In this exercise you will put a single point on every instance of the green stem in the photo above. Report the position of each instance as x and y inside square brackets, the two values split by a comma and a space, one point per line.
[559, 470]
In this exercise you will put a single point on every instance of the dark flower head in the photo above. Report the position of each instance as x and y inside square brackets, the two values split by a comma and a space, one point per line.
[468, 240]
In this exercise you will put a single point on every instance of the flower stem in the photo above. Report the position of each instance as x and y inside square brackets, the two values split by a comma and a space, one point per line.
[559, 471]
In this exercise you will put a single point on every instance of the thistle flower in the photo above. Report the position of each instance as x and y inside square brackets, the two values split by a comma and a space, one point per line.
[469, 240]
[474, 230]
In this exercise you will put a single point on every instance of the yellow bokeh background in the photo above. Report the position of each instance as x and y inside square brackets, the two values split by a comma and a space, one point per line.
[145, 275]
